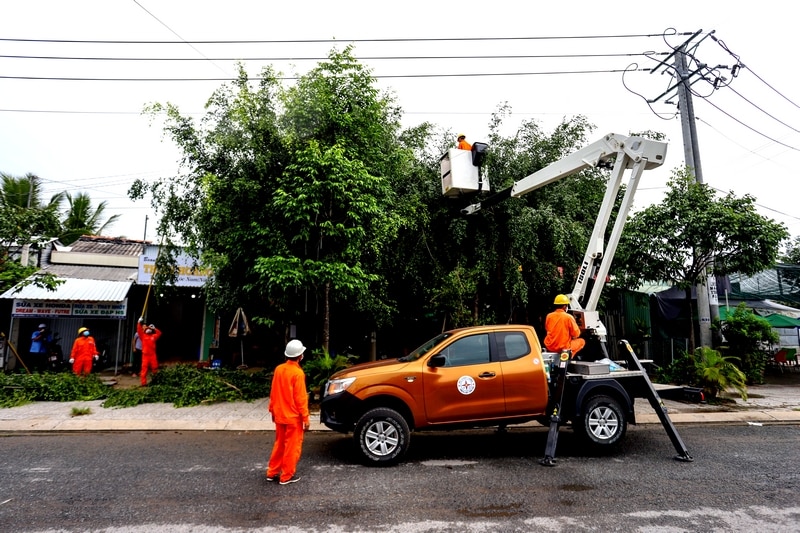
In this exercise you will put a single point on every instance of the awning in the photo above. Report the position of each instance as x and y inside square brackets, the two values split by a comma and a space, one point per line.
[75, 290]
[782, 321]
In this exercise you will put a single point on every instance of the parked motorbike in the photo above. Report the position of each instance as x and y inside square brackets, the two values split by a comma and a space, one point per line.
[55, 355]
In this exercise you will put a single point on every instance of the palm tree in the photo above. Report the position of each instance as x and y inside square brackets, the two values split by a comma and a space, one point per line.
[25, 193]
[82, 219]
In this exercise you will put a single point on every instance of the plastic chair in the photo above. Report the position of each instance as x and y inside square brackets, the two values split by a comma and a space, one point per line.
[779, 359]
[791, 358]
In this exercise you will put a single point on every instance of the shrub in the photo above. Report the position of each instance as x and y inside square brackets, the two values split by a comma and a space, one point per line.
[717, 373]
[746, 333]
[322, 366]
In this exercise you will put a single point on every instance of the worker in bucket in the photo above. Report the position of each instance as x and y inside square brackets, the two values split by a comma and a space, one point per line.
[462, 142]
[563, 332]
[84, 351]
[148, 335]
[288, 405]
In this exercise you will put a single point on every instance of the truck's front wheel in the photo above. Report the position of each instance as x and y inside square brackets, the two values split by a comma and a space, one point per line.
[382, 436]
[603, 422]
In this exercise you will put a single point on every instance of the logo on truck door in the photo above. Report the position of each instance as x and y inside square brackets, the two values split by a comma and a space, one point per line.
[465, 385]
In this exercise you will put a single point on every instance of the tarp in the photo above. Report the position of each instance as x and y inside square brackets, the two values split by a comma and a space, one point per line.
[781, 321]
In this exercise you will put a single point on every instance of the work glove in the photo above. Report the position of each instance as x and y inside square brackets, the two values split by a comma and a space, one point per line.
[72, 360]
[141, 320]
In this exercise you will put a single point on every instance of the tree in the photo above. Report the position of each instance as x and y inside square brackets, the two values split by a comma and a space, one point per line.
[220, 205]
[505, 263]
[24, 221]
[692, 232]
[25, 192]
[286, 192]
[792, 252]
[335, 200]
[82, 219]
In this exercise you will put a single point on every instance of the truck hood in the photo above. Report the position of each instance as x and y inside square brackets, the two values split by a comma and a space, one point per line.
[365, 369]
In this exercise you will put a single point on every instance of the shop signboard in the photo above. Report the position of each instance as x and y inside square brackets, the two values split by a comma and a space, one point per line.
[189, 273]
[61, 309]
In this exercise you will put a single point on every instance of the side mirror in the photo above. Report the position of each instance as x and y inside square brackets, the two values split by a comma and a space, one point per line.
[437, 360]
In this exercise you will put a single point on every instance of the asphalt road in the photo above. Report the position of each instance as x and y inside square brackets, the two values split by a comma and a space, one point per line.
[744, 478]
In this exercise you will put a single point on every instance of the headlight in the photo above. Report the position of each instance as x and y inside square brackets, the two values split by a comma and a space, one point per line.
[335, 386]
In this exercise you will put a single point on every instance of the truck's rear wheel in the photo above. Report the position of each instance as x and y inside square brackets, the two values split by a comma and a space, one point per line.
[383, 436]
[603, 422]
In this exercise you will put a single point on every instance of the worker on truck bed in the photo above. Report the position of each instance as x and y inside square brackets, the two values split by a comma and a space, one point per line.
[563, 332]
[462, 142]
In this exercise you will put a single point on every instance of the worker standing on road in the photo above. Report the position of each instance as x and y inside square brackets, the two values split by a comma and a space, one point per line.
[563, 332]
[288, 405]
[462, 142]
[148, 336]
[83, 351]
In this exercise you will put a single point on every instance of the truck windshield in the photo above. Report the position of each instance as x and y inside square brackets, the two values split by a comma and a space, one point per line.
[425, 348]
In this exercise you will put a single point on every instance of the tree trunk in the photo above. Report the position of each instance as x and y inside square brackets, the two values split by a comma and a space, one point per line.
[691, 319]
[326, 316]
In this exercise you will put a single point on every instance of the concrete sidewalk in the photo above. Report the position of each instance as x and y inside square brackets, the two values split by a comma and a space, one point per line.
[768, 404]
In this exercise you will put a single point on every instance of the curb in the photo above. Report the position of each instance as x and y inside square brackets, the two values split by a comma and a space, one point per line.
[86, 423]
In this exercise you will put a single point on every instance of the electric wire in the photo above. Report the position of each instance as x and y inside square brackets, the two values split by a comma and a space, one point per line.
[623, 72]
[295, 78]
[340, 41]
[323, 58]
[715, 106]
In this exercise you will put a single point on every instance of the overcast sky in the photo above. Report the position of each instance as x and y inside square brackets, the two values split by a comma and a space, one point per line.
[88, 134]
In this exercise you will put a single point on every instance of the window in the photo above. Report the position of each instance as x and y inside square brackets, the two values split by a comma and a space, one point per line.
[472, 350]
[512, 345]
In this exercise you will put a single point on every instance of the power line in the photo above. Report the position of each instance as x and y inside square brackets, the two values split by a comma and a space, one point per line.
[712, 104]
[343, 41]
[293, 78]
[323, 58]
[176, 34]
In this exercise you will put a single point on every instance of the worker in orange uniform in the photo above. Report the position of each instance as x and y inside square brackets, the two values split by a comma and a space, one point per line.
[563, 332]
[288, 405]
[83, 352]
[148, 335]
[462, 142]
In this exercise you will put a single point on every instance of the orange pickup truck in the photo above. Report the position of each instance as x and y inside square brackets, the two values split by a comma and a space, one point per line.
[474, 377]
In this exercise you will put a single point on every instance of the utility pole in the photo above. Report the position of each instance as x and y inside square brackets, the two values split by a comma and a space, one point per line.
[707, 301]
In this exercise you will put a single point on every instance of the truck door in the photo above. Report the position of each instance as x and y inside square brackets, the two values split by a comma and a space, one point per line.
[468, 387]
[524, 379]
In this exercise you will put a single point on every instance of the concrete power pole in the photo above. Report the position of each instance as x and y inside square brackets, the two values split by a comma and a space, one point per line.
[707, 302]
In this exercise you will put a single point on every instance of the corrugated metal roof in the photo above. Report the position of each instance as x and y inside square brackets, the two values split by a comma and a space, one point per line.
[96, 244]
[76, 290]
[92, 272]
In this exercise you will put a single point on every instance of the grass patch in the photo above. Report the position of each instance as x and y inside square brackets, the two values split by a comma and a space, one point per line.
[80, 411]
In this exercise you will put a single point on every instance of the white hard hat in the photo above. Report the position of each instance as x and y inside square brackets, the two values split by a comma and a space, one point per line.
[294, 349]
[42, 326]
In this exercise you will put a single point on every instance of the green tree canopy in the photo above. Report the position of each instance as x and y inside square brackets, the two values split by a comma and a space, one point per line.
[286, 191]
[693, 231]
[25, 221]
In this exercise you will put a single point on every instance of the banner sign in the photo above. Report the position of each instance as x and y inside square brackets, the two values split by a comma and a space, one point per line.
[189, 275]
[61, 309]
